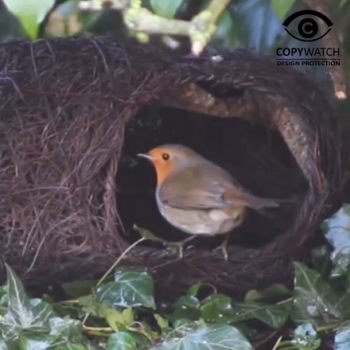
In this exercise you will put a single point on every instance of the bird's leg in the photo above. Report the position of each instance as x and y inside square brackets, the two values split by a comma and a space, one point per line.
[223, 246]
[183, 243]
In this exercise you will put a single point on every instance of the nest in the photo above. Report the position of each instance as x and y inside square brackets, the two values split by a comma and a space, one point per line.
[65, 106]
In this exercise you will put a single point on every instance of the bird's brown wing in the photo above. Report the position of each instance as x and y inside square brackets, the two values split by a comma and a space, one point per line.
[199, 187]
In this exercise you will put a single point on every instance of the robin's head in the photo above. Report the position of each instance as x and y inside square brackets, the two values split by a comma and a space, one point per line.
[167, 158]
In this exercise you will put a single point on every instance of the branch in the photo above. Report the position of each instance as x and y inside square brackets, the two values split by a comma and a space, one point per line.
[202, 26]
[140, 20]
[336, 73]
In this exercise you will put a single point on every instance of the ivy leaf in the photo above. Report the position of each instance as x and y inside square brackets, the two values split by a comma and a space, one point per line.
[217, 308]
[65, 327]
[194, 289]
[315, 301]
[186, 307]
[165, 8]
[132, 287]
[79, 288]
[204, 337]
[68, 333]
[3, 295]
[68, 346]
[321, 261]
[121, 341]
[305, 337]
[3, 345]
[274, 291]
[161, 321]
[282, 7]
[342, 337]
[90, 304]
[147, 234]
[118, 320]
[273, 315]
[18, 302]
[30, 13]
[337, 230]
[22, 313]
[34, 341]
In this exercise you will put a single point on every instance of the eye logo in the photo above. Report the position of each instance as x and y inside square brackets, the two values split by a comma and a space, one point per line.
[307, 27]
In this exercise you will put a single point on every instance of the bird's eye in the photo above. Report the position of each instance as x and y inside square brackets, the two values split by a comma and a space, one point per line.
[165, 156]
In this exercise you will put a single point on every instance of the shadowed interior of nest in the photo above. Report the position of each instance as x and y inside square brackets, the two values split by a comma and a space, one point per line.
[256, 156]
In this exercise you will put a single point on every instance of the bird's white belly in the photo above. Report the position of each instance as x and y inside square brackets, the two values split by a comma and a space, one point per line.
[202, 222]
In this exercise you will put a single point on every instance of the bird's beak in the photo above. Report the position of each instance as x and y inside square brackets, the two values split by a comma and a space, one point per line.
[145, 155]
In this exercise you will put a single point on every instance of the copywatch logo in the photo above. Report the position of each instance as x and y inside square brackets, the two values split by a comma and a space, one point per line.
[303, 26]
[307, 29]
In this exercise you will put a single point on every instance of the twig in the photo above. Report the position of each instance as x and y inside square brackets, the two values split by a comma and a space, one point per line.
[203, 25]
[336, 73]
[267, 338]
[140, 20]
[93, 5]
[97, 331]
[126, 251]
[277, 343]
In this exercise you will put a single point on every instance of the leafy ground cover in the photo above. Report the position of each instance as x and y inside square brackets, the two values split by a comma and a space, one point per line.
[120, 312]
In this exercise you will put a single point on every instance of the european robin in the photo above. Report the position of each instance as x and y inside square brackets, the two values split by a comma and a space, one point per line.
[197, 196]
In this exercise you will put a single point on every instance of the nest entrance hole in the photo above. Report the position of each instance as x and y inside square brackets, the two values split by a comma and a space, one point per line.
[255, 155]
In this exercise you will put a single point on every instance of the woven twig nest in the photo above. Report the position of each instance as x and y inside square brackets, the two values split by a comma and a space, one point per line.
[64, 108]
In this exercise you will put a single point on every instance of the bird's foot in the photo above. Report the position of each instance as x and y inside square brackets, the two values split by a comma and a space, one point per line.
[223, 247]
[181, 251]
[181, 245]
[224, 252]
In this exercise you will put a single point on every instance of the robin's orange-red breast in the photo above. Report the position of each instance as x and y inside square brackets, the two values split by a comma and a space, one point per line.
[197, 196]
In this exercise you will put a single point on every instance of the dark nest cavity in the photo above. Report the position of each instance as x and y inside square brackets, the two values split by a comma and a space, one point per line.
[255, 155]
[75, 111]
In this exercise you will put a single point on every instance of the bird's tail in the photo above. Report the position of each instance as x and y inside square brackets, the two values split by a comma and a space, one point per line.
[261, 203]
[248, 200]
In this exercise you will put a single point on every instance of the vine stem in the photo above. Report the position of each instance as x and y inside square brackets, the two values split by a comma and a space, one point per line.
[126, 251]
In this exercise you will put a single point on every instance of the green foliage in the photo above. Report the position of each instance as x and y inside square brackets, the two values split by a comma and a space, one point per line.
[30, 13]
[32, 323]
[316, 301]
[342, 337]
[122, 314]
[121, 341]
[337, 230]
[282, 7]
[165, 8]
[226, 34]
[131, 287]
[273, 315]
[259, 26]
[197, 336]
[78, 288]
[274, 291]
[305, 337]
